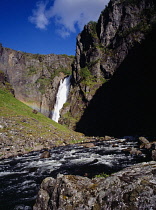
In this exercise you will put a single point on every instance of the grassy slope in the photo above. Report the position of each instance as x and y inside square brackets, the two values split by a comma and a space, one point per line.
[22, 131]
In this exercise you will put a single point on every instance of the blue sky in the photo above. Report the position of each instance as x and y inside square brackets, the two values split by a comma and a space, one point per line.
[46, 26]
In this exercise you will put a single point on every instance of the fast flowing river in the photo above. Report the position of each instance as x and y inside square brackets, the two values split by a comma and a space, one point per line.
[20, 177]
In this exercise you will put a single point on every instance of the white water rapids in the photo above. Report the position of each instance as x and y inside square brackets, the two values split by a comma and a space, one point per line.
[61, 97]
[20, 177]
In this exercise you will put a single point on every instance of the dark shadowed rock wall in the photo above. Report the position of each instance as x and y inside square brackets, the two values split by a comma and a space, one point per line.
[113, 71]
[125, 105]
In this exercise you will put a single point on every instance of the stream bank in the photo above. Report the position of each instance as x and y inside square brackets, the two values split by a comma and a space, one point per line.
[21, 176]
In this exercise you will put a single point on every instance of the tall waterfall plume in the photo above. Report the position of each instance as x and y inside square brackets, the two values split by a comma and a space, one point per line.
[61, 97]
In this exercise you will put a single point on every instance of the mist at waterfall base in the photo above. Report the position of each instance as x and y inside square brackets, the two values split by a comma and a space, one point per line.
[61, 97]
[20, 177]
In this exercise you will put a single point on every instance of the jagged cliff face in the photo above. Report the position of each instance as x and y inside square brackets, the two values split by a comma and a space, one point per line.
[103, 46]
[35, 78]
[114, 58]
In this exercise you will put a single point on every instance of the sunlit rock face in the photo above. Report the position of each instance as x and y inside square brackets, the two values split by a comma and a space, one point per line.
[35, 78]
[131, 188]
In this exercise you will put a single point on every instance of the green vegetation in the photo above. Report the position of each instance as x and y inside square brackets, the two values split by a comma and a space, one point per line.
[92, 63]
[66, 104]
[102, 175]
[8, 87]
[4, 85]
[72, 56]
[68, 119]
[85, 73]
[11, 107]
[145, 25]
[92, 25]
[140, 27]
[44, 82]
[86, 76]
[68, 56]
[76, 141]
[61, 69]
[24, 131]
[34, 56]
[1, 73]
[32, 70]
[27, 125]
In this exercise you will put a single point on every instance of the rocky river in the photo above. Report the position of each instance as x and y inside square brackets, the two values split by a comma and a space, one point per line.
[21, 176]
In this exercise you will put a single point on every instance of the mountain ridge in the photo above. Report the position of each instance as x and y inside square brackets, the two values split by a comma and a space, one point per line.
[101, 49]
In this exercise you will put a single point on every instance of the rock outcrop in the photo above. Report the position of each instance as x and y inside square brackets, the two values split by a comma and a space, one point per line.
[4, 84]
[111, 55]
[35, 78]
[131, 188]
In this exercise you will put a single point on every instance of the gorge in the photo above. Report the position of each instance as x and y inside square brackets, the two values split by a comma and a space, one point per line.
[114, 62]
[111, 91]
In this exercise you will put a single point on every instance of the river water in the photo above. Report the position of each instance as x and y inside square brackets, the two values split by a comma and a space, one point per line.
[20, 177]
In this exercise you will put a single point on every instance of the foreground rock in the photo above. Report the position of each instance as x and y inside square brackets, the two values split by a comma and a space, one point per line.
[131, 188]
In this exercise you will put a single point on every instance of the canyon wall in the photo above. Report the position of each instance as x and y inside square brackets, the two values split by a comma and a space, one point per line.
[35, 78]
[107, 50]
[112, 74]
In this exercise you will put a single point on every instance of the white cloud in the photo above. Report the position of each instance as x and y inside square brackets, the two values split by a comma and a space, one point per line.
[39, 17]
[67, 14]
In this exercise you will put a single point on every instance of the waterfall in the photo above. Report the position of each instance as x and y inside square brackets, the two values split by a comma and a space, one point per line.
[61, 97]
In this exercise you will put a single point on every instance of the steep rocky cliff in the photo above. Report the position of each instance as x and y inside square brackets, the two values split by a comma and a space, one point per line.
[131, 188]
[102, 49]
[35, 78]
[113, 73]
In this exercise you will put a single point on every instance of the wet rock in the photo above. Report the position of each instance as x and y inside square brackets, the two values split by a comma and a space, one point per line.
[154, 155]
[22, 207]
[48, 184]
[131, 188]
[143, 140]
[134, 151]
[45, 154]
[107, 138]
[43, 198]
[115, 145]
[88, 145]
[145, 143]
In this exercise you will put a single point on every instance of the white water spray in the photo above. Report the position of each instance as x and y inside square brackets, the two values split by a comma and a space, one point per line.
[61, 97]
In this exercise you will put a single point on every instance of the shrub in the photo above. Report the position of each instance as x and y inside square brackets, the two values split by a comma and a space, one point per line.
[85, 73]
[86, 77]
[102, 175]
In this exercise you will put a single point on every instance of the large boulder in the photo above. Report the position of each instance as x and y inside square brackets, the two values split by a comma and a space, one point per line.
[131, 188]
